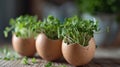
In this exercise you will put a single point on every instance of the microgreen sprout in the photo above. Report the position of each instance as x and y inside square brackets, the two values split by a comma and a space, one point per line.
[24, 60]
[51, 27]
[34, 60]
[78, 30]
[8, 54]
[22, 26]
[49, 64]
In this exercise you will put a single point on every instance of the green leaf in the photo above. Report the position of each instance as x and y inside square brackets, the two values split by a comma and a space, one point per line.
[6, 58]
[5, 34]
[25, 60]
[34, 60]
[5, 50]
[49, 64]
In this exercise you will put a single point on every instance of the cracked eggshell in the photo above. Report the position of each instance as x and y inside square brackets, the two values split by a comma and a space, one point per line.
[48, 49]
[76, 54]
[24, 47]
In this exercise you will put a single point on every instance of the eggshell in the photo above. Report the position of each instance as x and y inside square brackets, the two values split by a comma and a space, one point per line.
[48, 49]
[76, 54]
[25, 47]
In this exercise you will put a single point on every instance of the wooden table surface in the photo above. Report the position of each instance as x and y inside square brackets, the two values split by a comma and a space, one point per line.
[103, 58]
[101, 62]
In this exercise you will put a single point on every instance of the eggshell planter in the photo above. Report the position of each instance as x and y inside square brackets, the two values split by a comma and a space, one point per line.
[48, 49]
[78, 55]
[24, 47]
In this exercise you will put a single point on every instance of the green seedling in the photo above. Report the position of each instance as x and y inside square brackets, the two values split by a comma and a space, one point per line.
[25, 60]
[78, 30]
[49, 64]
[22, 26]
[51, 27]
[34, 60]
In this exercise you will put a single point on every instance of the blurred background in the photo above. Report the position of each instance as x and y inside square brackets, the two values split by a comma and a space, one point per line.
[107, 12]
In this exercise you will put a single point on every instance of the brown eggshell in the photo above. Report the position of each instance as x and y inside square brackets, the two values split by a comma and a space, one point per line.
[25, 47]
[76, 54]
[48, 49]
